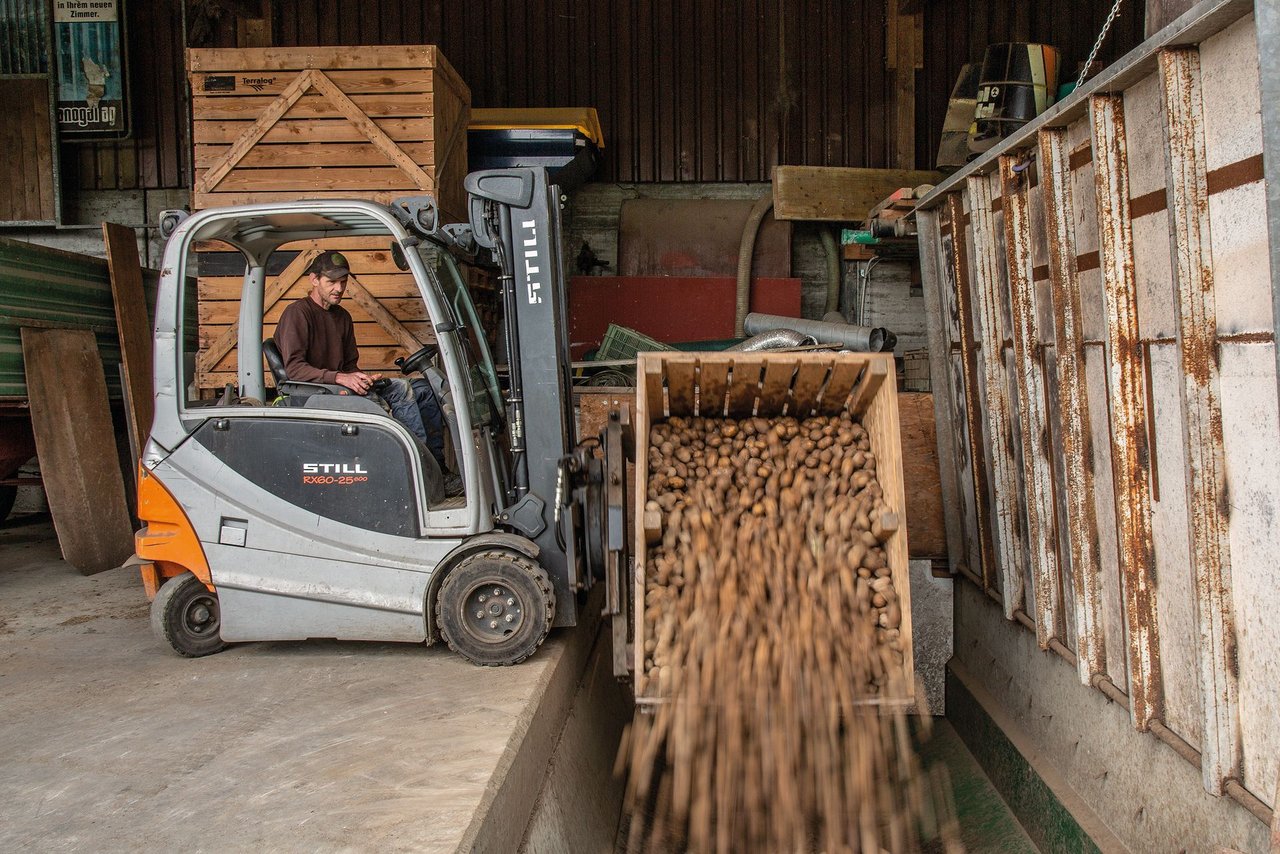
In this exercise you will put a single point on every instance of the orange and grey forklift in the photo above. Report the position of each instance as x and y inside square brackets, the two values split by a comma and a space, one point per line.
[314, 514]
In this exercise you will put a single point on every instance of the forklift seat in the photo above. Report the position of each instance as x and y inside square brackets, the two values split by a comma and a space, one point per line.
[298, 392]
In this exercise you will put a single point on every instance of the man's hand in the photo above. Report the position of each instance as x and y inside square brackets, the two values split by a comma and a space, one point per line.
[358, 381]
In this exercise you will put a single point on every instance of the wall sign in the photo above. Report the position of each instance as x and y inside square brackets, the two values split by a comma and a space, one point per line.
[91, 70]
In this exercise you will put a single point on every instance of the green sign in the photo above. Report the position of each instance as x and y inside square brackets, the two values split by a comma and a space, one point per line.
[91, 71]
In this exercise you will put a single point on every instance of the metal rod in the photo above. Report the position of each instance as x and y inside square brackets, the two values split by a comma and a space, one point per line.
[1246, 799]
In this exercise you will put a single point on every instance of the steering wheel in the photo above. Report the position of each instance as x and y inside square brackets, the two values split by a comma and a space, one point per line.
[418, 361]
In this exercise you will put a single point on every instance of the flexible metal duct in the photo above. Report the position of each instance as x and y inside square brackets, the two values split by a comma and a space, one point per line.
[774, 339]
[864, 339]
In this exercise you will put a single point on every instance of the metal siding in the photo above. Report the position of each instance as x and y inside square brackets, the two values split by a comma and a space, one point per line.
[1177, 381]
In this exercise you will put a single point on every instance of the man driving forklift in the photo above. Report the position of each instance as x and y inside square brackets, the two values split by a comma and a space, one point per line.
[317, 342]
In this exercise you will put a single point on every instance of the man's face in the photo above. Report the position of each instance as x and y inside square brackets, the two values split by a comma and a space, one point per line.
[327, 292]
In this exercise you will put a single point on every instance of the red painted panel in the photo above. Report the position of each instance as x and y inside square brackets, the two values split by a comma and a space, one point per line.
[669, 308]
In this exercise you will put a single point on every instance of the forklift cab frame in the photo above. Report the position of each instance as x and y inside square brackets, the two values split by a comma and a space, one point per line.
[283, 523]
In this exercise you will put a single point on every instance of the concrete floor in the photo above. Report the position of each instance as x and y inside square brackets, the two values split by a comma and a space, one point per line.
[109, 741]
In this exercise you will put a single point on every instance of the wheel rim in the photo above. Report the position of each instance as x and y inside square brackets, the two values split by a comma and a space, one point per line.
[200, 618]
[491, 611]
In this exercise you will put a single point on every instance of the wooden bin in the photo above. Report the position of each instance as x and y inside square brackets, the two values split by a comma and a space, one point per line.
[273, 124]
[390, 318]
[775, 385]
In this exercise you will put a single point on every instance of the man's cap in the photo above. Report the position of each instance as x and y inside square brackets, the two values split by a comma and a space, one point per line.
[331, 265]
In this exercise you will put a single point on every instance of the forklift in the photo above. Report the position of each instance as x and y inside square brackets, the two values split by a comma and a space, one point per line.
[315, 514]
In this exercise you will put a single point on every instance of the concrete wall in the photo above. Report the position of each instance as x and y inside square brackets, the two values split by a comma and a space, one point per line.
[1145, 794]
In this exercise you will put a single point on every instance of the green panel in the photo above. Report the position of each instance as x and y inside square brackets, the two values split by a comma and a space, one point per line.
[1049, 824]
[45, 287]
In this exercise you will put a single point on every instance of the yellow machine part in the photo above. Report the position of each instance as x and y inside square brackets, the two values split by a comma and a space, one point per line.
[167, 544]
[582, 119]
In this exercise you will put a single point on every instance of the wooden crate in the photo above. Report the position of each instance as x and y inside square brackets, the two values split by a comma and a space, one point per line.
[272, 124]
[775, 385]
[390, 318]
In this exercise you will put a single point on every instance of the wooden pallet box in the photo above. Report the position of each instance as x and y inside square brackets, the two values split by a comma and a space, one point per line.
[772, 385]
[390, 318]
[273, 124]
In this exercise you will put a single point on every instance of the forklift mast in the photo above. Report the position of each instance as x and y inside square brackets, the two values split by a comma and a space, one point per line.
[515, 213]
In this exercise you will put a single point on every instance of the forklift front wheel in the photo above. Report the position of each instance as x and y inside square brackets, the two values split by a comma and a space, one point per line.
[495, 608]
[186, 614]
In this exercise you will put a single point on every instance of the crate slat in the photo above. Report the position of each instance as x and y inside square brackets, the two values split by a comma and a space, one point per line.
[371, 81]
[810, 377]
[313, 153]
[713, 378]
[744, 388]
[836, 395]
[315, 131]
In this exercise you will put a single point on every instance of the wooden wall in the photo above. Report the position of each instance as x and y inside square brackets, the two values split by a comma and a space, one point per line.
[687, 90]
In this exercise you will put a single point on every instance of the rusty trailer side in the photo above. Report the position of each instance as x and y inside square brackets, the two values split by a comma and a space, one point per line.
[1105, 375]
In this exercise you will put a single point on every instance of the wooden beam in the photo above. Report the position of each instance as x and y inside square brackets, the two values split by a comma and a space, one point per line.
[134, 328]
[1037, 464]
[1008, 497]
[76, 446]
[838, 194]
[382, 317]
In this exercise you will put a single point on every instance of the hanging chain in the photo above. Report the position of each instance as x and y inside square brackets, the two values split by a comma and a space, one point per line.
[1093, 54]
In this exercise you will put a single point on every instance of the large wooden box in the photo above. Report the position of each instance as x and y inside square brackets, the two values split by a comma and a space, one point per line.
[772, 385]
[272, 124]
[389, 316]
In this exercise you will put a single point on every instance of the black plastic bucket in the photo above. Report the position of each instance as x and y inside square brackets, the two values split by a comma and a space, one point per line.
[1019, 82]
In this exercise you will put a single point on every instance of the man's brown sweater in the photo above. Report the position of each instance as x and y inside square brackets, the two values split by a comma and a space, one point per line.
[316, 344]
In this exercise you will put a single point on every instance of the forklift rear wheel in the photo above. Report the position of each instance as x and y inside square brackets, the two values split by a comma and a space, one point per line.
[186, 614]
[495, 608]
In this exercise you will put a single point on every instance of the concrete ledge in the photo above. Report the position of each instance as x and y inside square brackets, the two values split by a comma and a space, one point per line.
[1013, 767]
[507, 806]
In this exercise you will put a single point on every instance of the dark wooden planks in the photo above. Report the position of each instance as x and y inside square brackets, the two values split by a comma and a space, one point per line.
[75, 443]
[134, 328]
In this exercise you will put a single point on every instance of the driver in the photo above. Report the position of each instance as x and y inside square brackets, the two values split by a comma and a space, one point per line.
[317, 342]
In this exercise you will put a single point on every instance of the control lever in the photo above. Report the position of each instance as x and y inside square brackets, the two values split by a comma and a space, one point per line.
[380, 384]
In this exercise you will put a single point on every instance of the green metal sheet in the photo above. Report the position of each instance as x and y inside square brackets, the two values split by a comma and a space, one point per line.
[50, 288]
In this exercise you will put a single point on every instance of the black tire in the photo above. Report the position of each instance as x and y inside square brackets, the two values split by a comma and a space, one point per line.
[515, 602]
[8, 495]
[187, 615]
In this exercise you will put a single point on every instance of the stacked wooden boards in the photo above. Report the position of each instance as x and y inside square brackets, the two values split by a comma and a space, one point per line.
[390, 318]
[281, 124]
[273, 124]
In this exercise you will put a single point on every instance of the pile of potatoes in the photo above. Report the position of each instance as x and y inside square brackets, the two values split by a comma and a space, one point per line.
[816, 476]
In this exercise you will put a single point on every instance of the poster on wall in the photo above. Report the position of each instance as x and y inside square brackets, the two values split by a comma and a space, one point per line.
[91, 71]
